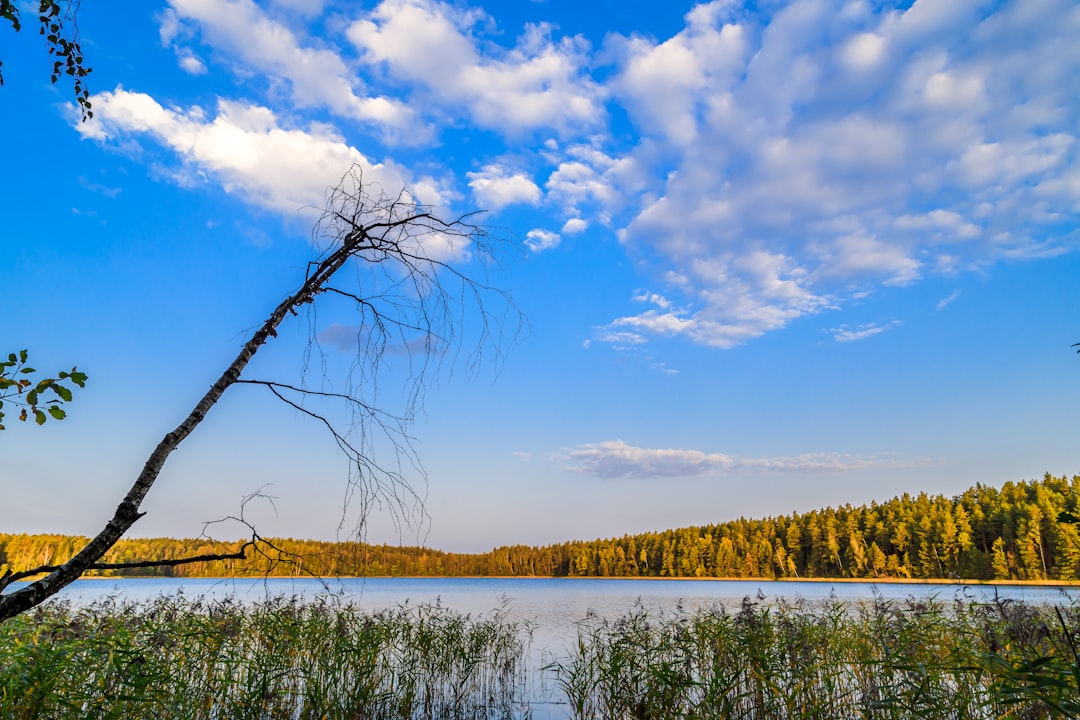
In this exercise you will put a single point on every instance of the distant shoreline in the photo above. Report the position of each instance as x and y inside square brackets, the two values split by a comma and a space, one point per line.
[868, 581]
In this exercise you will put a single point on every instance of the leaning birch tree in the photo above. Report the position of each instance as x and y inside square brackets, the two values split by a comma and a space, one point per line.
[407, 273]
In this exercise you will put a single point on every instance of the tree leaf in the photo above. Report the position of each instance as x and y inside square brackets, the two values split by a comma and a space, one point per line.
[39, 417]
[57, 412]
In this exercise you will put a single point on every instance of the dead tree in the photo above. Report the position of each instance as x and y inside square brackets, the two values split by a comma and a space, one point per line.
[410, 294]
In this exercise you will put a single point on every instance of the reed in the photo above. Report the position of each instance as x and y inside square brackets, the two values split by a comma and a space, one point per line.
[175, 657]
[878, 661]
[180, 658]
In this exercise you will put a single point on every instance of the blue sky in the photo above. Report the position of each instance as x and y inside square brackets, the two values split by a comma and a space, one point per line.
[772, 256]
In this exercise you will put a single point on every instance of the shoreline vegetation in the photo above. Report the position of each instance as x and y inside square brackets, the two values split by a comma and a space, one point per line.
[986, 534]
[876, 581]
[177, 657]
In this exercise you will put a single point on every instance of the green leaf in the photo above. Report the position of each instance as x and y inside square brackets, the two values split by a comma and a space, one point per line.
[63, 392]
[23, 355]
[57, 412]
[32, 398]
[27, 370]
[12, 359]
[39, 417]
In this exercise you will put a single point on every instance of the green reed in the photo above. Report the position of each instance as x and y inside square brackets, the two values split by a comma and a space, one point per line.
[218, 659]
[175, 657]
[879, 661]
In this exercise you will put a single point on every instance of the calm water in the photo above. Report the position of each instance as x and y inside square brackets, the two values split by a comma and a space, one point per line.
[552, 606]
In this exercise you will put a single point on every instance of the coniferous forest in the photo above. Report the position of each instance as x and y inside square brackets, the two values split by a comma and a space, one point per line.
[985, 533]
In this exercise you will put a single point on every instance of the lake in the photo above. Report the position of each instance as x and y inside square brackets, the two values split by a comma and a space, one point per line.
[553, 601]
[554, 605]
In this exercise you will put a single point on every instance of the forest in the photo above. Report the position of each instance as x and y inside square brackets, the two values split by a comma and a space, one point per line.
[985, 533]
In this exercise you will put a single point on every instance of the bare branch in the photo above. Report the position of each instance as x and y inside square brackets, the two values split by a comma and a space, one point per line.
[413, 302]
[241, 554]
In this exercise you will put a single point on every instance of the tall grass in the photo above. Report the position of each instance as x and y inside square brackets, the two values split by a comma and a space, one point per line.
[180, 658]
[175, 657]
[876, 661]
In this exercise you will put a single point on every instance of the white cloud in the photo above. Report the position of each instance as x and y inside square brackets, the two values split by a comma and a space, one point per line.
[806, 157]
[735, 299]
[617, 459]
[587, 179]
[844, 334]
[948, 300]
[244, 148]
[190, 63]
[858, 254]
[496, 186]
[864, 51]
[538, 240]
[318, 76]
[768, 163]
[575, 226]
[946, 224]
[664, 85]
[539, 83]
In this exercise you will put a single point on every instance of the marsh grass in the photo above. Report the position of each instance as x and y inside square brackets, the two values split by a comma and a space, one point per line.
[875, 661]
[175, 657]
[180, 658]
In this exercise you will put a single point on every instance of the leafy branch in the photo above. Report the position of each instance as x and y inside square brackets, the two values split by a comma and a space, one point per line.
[39, 399]
[57, 23]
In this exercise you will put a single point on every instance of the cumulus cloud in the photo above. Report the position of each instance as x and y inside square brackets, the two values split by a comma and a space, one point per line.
[586, 176]
[768, 163]
[540, 83]
[191, 63]
[733, 299]
[617, 459]
[318, 77]
[574, 226]
[810, 154]
[664, 85]
[246, 150]
[539, 240]
[496, 186]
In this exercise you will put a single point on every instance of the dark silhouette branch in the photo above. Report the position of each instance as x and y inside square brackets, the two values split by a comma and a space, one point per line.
[241, 554]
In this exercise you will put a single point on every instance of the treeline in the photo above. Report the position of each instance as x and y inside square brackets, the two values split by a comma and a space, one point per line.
[1011, 533]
